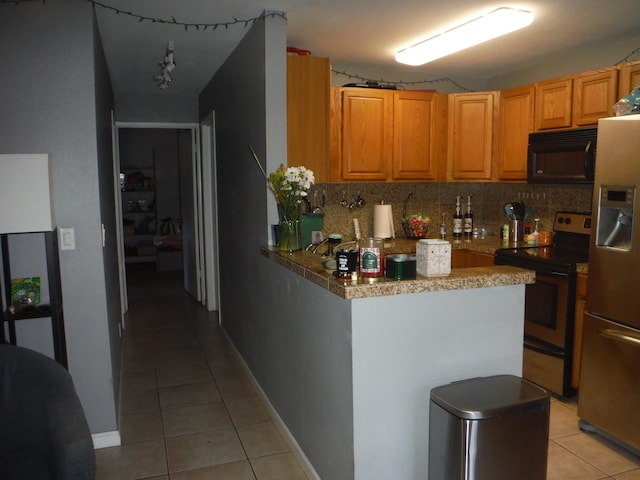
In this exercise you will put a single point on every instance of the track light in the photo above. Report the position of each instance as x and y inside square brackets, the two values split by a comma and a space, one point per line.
[481, 29]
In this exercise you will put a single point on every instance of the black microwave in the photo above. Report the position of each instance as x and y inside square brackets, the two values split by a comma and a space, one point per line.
[562, 156]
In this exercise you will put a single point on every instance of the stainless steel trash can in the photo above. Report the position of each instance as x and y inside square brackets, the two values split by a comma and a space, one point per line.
[488, 428]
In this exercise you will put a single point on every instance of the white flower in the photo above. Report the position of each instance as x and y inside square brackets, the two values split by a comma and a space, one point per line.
[288, 186]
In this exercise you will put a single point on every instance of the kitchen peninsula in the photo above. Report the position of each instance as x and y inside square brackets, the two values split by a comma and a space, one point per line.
[349, 368]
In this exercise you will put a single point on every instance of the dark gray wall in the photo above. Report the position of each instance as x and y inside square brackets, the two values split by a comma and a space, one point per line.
[56, 98]
[237, 94]
[159, 107]
[311, 395]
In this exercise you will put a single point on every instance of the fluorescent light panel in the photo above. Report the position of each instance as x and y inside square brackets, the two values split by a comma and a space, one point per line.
[491, 25]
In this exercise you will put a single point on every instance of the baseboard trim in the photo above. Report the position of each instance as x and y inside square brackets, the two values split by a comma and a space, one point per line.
[278, 422]
[106, 439]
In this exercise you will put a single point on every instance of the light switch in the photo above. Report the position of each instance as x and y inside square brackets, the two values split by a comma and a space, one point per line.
[67, 239]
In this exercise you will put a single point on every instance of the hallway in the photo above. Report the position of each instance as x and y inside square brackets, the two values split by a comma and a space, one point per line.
[187, 410]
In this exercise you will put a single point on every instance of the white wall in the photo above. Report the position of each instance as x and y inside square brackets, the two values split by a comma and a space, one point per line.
[405, 345]
[582, 60]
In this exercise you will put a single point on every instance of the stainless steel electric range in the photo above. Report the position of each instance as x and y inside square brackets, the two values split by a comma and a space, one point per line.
[549, 315]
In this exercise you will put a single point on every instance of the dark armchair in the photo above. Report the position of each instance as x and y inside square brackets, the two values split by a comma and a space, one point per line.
[43, 430]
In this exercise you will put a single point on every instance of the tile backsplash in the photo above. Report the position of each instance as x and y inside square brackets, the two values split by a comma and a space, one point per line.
[436, 199]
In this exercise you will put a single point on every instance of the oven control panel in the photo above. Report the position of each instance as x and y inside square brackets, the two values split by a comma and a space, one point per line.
[572, 222]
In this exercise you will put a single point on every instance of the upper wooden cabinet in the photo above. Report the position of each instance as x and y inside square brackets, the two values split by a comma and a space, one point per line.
[395, 135]
[594, 94]
[515, 123]
[367, 133]
[470, 135]
[553, 104]
[576, 101]
[629, 78]
[308, 91]
[419, 135]
[391, 135]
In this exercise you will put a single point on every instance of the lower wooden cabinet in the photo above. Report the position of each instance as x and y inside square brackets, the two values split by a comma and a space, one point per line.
[468, 258]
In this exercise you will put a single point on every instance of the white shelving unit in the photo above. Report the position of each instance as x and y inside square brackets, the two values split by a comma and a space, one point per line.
[138, 192]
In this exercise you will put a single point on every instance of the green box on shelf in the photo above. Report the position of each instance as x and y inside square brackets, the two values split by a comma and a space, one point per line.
[25, 292]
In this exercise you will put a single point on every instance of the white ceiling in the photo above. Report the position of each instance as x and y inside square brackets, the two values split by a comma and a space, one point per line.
[358, 35]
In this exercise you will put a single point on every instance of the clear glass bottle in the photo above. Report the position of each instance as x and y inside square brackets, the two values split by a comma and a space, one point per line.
[372, 257]
[457, 220]
[468, 220]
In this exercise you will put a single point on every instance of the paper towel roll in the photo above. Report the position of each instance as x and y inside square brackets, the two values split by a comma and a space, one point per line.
[383, 221]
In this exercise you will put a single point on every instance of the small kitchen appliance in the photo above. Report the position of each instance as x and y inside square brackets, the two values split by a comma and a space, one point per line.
[549, 316]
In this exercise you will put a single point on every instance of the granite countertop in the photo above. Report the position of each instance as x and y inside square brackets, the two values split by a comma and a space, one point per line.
[308, 265]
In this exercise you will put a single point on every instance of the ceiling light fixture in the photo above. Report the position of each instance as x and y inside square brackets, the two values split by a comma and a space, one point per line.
[166, 66]
[486, 27]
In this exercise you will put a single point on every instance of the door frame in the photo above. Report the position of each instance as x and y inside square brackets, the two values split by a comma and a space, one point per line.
[201, 248]
[209, 214]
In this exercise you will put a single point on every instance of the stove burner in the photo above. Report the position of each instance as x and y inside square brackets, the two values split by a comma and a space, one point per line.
[570, 247]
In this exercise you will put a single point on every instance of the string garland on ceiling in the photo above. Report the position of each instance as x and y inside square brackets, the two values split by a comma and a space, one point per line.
[400, 83]
[626, 59]
[187, 25]
[249, 21]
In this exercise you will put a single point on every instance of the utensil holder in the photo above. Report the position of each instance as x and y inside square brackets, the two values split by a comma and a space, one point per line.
[516, 231]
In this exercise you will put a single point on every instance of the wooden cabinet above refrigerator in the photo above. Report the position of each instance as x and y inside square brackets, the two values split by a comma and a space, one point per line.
[576, 100]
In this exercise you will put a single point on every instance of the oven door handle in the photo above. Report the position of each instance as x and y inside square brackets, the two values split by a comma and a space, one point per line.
[620, 336]
[556, 274]
[538, 347]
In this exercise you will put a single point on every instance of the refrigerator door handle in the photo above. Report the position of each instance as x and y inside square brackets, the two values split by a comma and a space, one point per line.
[620, 336]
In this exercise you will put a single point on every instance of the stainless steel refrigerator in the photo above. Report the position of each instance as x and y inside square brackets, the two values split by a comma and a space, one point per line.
[609, 394]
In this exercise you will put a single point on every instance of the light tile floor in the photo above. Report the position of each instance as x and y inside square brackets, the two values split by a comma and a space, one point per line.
[188, 412]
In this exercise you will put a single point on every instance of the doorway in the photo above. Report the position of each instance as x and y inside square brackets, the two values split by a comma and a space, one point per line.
[159, 202]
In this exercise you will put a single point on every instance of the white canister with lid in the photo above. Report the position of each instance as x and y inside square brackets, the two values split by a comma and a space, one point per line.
[433, 257]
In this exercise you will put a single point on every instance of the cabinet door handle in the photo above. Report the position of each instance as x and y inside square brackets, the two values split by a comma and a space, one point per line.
[620, 336]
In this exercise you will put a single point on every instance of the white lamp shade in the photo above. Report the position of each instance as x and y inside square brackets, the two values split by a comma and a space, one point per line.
[25, 194]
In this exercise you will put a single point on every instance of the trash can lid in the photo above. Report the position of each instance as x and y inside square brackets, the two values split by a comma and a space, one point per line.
[487, 397]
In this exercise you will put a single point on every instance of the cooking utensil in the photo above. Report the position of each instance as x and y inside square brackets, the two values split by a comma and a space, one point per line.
[519, 210]
[315, 208]
[515, 210]
[508, 210]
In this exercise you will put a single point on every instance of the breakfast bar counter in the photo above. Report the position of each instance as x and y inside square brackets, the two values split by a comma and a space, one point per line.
[308, 265]
[348, 366]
